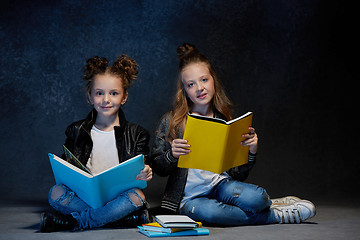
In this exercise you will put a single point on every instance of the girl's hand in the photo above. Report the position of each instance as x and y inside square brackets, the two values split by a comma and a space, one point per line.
[251, 140]
[178, 147]
[145, 174]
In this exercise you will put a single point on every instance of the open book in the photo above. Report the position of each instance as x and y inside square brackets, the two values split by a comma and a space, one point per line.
[215, 143]
[97, 190]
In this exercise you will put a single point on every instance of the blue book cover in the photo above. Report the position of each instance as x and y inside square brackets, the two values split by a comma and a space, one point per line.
[97, 190]
[192, 232]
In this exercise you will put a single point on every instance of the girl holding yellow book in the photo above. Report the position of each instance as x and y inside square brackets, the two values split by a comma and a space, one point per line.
[213, 199]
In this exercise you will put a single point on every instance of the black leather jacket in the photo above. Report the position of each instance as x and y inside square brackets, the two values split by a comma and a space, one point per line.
[131, 139]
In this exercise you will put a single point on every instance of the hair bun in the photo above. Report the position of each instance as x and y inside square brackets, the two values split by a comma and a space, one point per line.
[127, 67]
[94, 66]
[185, 49]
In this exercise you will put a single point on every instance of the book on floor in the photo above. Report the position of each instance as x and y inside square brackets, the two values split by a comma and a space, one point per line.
[215, 144]
[97, 190]
[176, 221]
[191, 232]
[156, 227]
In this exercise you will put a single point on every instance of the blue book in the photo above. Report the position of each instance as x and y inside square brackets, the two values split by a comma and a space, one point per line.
[97, 190]
[192, 232]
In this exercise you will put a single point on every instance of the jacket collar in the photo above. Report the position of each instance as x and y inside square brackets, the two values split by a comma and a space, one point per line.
[91, 118]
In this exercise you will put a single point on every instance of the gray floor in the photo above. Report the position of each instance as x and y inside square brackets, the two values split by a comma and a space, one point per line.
[333, 221]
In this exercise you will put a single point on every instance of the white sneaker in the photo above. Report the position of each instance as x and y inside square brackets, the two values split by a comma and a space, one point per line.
[285, 200]
[297, 212]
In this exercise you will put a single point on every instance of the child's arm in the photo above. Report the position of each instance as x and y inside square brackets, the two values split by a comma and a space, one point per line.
[179, 147]
[251, 140]
[145, 174]
[162, 161]
[242, 172]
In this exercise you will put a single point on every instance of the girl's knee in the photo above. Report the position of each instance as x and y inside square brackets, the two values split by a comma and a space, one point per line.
[261, 199]
[56, 193]
[137, 197]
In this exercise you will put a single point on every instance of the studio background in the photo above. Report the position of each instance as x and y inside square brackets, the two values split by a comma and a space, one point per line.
[290, 62]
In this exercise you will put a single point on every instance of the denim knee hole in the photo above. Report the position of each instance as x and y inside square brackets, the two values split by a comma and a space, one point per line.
[58, 194]
[135, 198]
[237, 191]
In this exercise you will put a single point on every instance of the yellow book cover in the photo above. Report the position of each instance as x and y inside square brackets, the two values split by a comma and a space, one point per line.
[215, 143]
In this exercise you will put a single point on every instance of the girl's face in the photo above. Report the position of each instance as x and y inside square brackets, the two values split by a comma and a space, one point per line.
[199, 85]
[107, 95]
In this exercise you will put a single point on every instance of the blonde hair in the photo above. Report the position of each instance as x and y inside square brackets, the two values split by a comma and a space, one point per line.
[182, 105]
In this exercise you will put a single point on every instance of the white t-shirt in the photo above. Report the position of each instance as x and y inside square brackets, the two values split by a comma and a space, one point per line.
[200, 182]
[104, 154]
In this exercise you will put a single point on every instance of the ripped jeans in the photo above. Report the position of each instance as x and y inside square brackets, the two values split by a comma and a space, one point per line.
[64, 200]
[231, 203]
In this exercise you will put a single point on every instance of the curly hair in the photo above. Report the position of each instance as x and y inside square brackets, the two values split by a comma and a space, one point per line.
[124, 67]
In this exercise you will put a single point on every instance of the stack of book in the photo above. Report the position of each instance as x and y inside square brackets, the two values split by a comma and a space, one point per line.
[173, 225]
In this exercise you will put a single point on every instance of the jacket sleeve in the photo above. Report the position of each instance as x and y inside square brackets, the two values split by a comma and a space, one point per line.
[241, 173]
[162, 161]
[70, 139]
[142, 143]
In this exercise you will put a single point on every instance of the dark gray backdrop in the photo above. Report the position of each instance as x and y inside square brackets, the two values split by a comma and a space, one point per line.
[291, 62]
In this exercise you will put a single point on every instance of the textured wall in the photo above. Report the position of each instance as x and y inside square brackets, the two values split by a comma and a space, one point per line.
[287, 61]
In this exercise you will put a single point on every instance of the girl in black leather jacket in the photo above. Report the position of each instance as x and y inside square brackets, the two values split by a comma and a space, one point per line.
[100, 141]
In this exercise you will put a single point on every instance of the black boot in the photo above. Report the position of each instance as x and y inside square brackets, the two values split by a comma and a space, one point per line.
[54, 222]
[134, 219]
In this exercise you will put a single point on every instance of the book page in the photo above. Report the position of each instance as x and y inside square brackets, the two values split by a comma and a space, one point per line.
[71, 166]
[238, 118]
[74, 161]
[211, 119]
[120, 164]
[174, 219]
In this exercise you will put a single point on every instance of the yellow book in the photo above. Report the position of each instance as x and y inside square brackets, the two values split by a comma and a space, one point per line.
[215, 143]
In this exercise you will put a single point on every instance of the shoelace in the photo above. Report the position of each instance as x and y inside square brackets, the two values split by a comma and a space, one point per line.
[59, 223]
[290, 215]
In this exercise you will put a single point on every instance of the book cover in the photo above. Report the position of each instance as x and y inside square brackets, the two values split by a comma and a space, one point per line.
[215, 143]
[176, 221]
[97, 190]
[156, 227]
[192, 232]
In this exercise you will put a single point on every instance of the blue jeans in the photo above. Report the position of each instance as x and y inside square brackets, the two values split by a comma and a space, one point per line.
[231, 203]
[64, 200]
